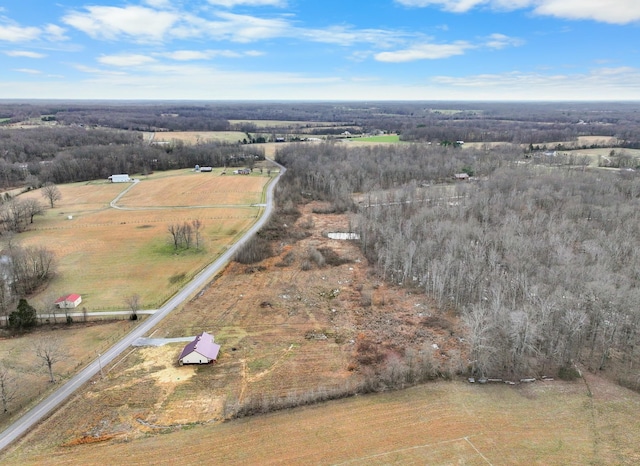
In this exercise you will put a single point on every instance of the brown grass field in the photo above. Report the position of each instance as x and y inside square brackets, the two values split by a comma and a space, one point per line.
[194, 137]
[284, 332]
[80, 344]
[106, 254]
[284, 124]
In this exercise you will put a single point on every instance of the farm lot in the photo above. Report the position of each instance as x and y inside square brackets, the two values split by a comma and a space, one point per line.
[107, 254]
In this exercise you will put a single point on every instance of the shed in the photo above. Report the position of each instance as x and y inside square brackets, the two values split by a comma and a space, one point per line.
[461, 176]
[69, 301]
[202, 350]
[122, 178]
[206, 169]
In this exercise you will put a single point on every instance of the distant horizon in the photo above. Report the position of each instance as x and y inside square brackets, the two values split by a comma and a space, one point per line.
[323, 101]
[274, 50]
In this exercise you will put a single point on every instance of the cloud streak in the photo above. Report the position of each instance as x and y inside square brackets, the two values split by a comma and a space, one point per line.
[606, 11]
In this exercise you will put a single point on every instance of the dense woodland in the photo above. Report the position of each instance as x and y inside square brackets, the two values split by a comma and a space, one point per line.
[541, 262]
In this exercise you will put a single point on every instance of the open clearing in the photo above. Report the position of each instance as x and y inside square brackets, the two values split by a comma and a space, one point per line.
[546, 423]
[285, 124]
[388, 138]
[106, 254]
[194, 137]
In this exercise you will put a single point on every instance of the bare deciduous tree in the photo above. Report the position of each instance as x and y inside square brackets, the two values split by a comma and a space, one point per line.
[32, 208]
[51, 193]
[49, 350]
[197, 230]
[133, 302]
[8, 387]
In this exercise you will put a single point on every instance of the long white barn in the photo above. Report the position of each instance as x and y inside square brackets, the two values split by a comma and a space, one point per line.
[123, 178]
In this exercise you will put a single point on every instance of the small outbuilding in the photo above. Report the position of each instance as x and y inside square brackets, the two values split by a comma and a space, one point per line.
[122, 178]
[202, 350]
[69, 301]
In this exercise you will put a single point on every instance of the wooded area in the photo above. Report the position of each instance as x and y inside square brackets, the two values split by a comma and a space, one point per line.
[541, 262]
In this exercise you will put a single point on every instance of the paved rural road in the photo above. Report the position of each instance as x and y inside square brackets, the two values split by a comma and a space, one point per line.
[46, 407]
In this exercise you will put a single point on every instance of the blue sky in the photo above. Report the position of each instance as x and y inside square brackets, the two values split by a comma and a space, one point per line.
[321, 50]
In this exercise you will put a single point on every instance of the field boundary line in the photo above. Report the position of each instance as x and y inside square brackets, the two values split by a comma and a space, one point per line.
[478, 451]
[415, 447]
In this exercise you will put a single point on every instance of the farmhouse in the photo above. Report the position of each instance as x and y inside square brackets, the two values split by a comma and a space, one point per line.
[242, 171]
[69, 301]
[123, 178]
[202, 350]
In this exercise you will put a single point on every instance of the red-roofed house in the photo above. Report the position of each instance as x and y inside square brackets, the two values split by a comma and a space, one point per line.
[69, 302]
[202, 350]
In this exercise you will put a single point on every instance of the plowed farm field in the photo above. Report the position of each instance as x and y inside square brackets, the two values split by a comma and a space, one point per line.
[106, 254]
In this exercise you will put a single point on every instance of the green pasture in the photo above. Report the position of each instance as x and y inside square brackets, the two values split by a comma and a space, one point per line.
[386, 138]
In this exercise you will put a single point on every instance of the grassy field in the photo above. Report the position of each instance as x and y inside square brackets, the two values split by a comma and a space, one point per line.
[546, 423]
[106, 254]
[193, 137]
[79, 344]
[385, 138]
[284, 124]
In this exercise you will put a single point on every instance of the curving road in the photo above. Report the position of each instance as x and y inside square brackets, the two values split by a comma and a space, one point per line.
[46, 407]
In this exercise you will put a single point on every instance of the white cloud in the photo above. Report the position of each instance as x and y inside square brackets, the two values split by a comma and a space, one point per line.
[607, 11]
[106, 22]
[159, 3]
[424, 52]
[597, 84]
[54, 33]
[244, 28]
[24, 53]
[190, 55]
[11, 32]
[126, 60]
[500, 41]
[187, 81]
[457, 6]
[233, 3]
[27, 71]
[98, 71]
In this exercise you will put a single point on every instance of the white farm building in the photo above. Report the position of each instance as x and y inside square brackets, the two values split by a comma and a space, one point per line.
[123, 178]
[69, 301]
[202, 350]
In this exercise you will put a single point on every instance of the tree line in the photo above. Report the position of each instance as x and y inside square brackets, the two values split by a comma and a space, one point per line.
[69, 154]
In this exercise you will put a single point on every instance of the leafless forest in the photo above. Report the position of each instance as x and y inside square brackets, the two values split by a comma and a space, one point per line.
[540, 261]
